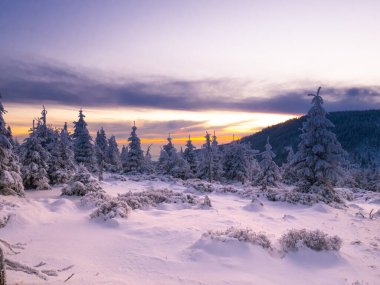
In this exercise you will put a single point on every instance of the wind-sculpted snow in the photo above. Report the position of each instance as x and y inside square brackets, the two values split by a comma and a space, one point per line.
[100, 239]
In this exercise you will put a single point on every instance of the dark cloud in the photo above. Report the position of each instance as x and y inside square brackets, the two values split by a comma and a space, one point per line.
[147, 129]
[59, 84]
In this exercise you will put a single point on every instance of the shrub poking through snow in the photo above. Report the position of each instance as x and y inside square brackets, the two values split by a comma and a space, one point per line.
[244, 235]
[295, 197]
[94, 199]
[206, 202]
[113, 208]
[145, 199]
[315, 240]
[82, 183]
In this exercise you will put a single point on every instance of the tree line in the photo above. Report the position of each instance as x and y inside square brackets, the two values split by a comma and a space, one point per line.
[50, 156]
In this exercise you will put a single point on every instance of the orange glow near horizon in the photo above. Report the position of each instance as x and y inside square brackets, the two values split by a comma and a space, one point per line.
[153, 124]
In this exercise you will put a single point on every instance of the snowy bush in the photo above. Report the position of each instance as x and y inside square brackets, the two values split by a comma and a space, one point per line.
[5, 212]
[82, 183]
[94, 199]
[295, 197]
[207, 187]
[113, 208]
[244, 235]
[315, 240]
[206, 202]
[141, 200]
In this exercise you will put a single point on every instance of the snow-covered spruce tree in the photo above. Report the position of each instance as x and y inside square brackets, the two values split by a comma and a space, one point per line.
[172, 163]
[10, 175]
[190, 156]
[288, 173]
[217, 159]
[113, 155]
[318, 161]
[62, 163]
[34, 160]
[205, 165]
[10, 136]
[148, 164]
[135, 156]
[239, 163]
[123, 156]
[270, 172]
[47, 136]
[84, 151]
[101, 147]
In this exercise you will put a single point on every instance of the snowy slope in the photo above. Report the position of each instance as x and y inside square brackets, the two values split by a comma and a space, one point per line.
[165, 245]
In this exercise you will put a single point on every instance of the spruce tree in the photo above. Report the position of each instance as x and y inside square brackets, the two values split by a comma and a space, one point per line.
[124, 156]
[190, 156]
[84, 151]
[172, 163]
[205, 165]
[10, 136]
[239, 162]
[217, 165]
[148, 164]
[10, 174]
[101, 147]
[270, 172]
[34, 158]
[289, 175]
[318, 161]
[62, 163]
[135, 156]
[113, 155]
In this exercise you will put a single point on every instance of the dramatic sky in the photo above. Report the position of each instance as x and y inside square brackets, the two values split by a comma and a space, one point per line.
[185, 67]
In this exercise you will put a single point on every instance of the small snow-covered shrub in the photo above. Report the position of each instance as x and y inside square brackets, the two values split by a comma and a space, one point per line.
[82, 183]
[94, 199]
[110, 209]
[206, 202]
[244, 235]
[144, 199]
[315, 240]
[5, 212]
[207, 187]
[295, 197]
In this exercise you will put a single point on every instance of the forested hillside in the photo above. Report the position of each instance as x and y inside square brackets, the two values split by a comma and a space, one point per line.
[357, 131]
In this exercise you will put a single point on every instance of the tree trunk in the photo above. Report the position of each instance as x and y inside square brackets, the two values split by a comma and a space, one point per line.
[2, 268]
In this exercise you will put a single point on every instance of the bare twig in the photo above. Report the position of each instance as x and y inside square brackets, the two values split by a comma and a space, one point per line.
[66, 268]
[16, 266]
[50, 272]
[68, 278]
[371, 214]
[9, 246]
[40, 264]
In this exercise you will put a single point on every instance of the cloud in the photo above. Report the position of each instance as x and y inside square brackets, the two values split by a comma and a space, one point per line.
[41, 83]
[147, 129]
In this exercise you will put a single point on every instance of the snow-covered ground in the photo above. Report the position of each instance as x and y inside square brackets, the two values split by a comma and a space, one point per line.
[165, 246]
